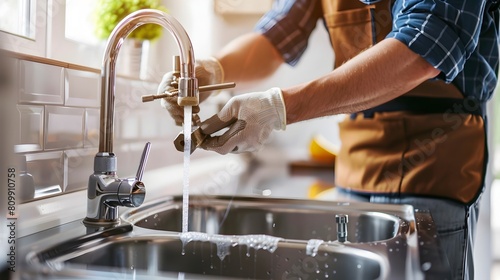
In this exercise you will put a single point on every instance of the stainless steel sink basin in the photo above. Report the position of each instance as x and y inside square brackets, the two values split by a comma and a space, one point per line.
[243, 238]
[289, 219]
[167, 256]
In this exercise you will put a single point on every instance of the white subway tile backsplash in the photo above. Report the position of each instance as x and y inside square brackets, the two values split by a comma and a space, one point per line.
[59, 117]
[149, 124]
[63, 127]
[82, 88]
[47, 170]
[30, 128]
[128, 95]
[128, 125]
[92, 128]
[79, 165]
[41, 83]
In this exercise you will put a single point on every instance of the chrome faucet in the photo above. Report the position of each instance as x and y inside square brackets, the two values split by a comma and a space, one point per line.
[106, 192]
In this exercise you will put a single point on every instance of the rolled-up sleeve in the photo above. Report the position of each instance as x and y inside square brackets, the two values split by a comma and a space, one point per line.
[288, 26]
[445, 33]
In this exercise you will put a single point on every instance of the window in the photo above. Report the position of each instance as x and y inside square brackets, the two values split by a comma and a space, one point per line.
[80, 30]
[54, 29]
[71, 31]
[23, 26]
[17, 17]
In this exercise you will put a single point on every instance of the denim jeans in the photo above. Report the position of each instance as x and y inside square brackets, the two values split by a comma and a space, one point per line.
[455, 223]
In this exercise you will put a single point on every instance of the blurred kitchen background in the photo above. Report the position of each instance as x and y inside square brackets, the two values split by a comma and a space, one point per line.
[56, 59]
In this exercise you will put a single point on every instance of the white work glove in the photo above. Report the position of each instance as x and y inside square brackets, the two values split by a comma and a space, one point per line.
[207, 71]
[250, 118]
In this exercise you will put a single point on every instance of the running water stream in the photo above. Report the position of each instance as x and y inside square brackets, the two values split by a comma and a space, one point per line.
[187, 153]
[188, 110]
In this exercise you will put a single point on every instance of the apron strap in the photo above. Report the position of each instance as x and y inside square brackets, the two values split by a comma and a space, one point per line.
[428, 105]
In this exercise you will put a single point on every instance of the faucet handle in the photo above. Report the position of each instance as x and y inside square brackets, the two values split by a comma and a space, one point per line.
[144, 159]
[132, 192]
[152, 97]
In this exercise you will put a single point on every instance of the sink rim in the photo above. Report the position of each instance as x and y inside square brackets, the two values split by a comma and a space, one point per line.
[399, 214]
[402, 211]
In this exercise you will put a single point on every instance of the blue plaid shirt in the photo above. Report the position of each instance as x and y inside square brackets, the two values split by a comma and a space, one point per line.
[458, 37]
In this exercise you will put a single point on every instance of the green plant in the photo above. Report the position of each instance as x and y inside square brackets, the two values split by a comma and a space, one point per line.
[108, 13]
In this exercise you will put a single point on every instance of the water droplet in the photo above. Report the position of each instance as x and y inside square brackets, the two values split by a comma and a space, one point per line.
[358, 266]
[326, 265]
[146, 220]
[131, 267]
[426, 266]
[334, 259]
[155, 216]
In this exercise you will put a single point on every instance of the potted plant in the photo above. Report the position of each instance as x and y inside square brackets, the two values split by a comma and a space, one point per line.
[108, 13]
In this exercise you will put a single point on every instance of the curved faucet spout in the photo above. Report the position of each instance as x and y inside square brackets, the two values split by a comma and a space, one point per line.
[106, 192]
[188, 86]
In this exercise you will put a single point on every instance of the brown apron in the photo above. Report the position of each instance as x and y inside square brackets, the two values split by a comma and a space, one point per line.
[404, 152]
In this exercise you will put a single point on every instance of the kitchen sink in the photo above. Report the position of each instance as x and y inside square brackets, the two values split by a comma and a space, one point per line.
[285, 218]
[165, 256]
[243, 238]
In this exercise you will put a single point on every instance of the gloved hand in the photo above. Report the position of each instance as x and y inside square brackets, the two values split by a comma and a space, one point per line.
[207, 71]
[250, 117]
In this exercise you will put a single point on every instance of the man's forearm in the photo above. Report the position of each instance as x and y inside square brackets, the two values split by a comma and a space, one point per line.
[379, 74]
[249, 58]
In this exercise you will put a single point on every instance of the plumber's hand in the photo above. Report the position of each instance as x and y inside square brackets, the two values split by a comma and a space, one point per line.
[207, 71]
[250, 119]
